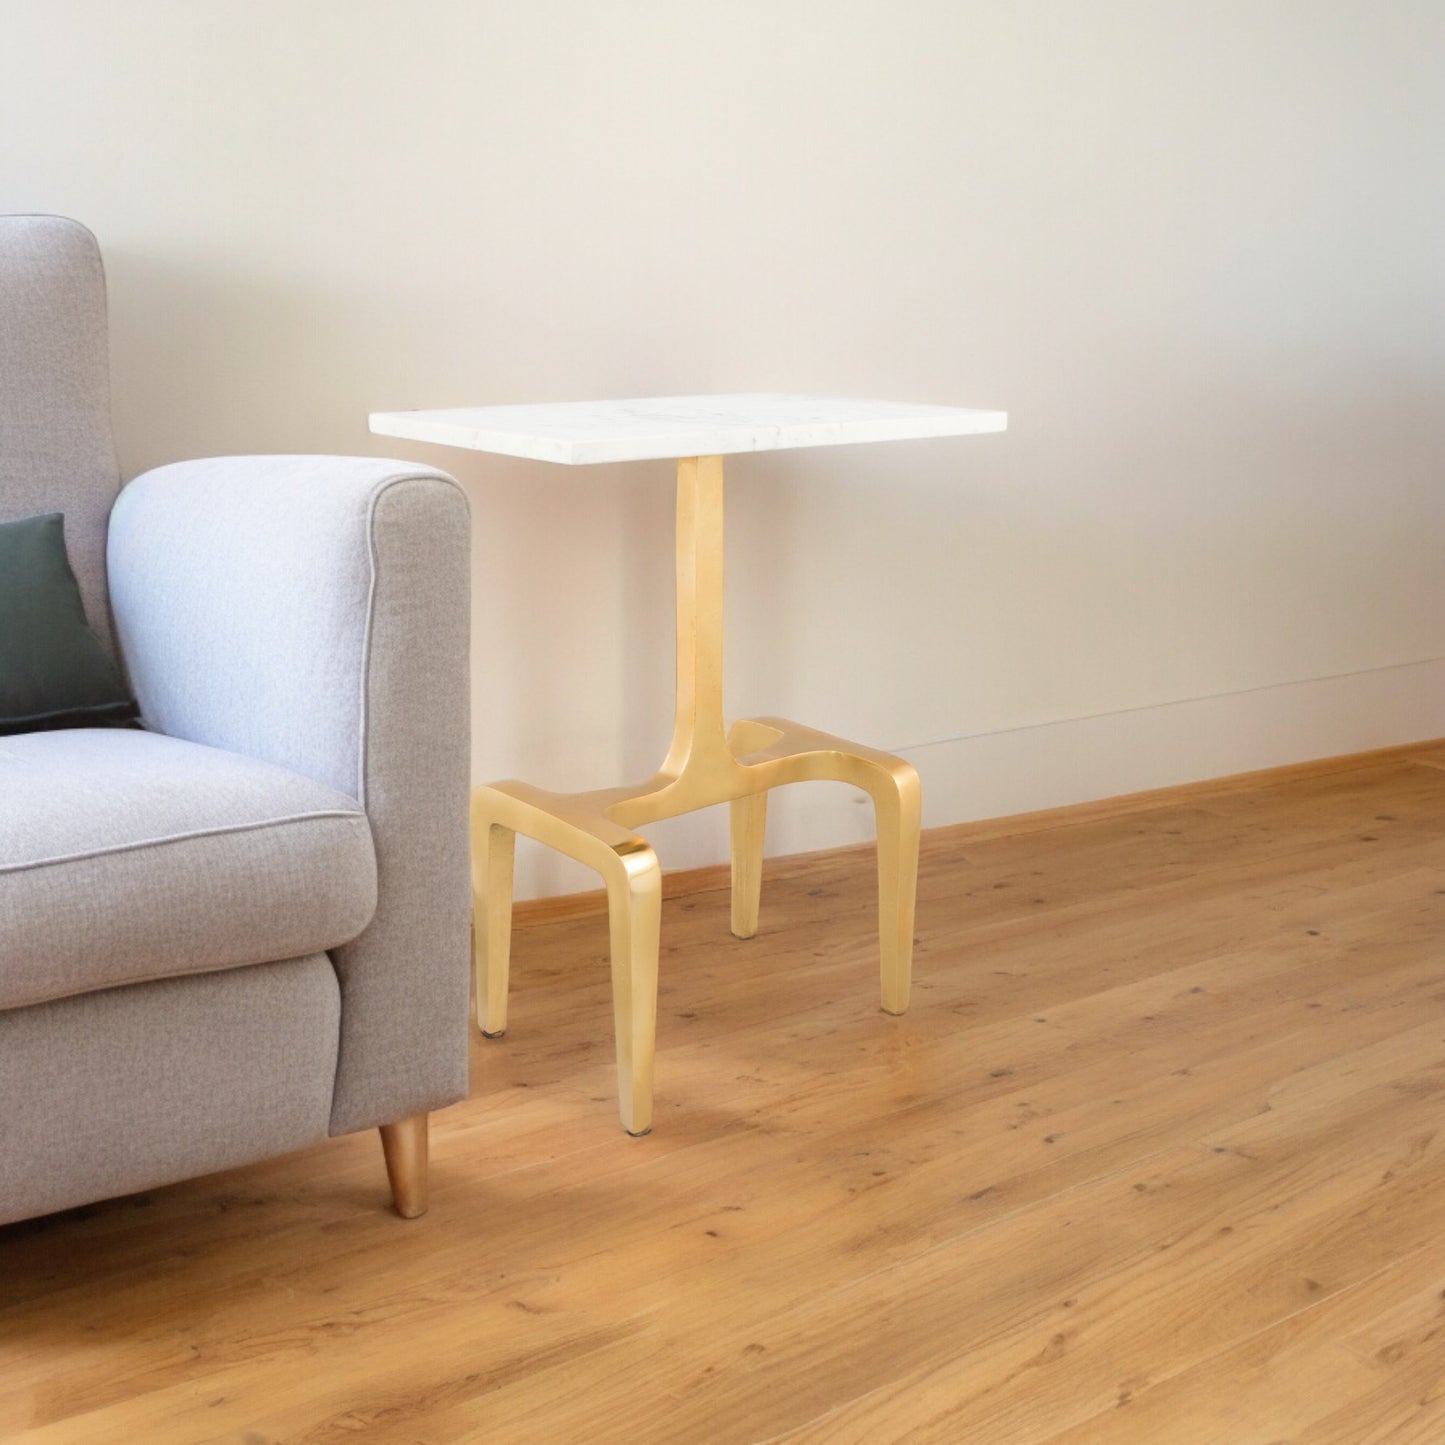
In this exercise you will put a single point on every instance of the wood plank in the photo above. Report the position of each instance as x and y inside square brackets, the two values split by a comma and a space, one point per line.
[1216, 1287]
[989, 1312]
[638, 1233]
[846, 1223]
[1304, 1378]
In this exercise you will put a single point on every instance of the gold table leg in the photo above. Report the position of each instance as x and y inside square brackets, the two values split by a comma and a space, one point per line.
[705, 765]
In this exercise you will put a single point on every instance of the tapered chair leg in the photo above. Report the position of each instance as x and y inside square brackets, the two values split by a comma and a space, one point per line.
[634, 908]
[748, 819]
[493, 852]
[405, 1146]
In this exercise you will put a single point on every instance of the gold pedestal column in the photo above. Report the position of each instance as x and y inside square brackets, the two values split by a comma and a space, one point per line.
[706, 764]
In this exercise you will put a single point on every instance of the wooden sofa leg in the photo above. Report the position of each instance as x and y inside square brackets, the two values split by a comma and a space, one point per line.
[405, 1146]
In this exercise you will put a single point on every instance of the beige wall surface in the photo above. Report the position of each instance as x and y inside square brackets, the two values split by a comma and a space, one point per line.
[1196, 248]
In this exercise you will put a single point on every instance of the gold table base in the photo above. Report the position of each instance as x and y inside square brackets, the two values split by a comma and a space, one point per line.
[705, 765]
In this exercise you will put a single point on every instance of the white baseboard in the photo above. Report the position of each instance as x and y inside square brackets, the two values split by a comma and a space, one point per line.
[1074, 761]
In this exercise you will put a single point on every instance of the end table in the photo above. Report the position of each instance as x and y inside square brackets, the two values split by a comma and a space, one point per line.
[707, 762]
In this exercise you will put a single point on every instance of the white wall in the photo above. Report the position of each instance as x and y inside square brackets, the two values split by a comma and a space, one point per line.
[1195, 247]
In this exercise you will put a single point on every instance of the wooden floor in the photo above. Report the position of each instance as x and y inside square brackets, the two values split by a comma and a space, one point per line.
[1158, 1156]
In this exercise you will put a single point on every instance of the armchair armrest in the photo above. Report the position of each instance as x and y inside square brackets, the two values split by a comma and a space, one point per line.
[314, 612]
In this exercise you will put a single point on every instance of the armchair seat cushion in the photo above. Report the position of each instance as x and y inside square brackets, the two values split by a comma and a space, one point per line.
[127, 856]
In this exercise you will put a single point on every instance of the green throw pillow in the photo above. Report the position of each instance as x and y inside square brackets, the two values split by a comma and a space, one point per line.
[53, 671]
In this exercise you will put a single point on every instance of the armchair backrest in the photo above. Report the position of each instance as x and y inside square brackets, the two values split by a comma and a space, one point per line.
[56, 450]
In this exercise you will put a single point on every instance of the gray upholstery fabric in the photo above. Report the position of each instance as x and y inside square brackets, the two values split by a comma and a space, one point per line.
[125, 856]
[56, 453]
[405, 982]
[130, 1088]
[313, 612]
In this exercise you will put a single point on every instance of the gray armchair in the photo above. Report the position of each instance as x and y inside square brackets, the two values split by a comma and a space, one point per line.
[243, 926]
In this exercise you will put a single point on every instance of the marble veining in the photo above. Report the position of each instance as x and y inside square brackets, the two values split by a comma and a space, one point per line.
[581, 432]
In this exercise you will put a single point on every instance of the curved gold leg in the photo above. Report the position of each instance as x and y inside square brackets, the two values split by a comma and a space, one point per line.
[897, 800]
[748, 819]
[802, 754]
[493, 851]
[634, 911]
[748, 823]
[633, 879]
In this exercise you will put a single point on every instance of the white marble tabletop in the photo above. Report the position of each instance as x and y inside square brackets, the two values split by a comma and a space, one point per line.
[579, 432]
